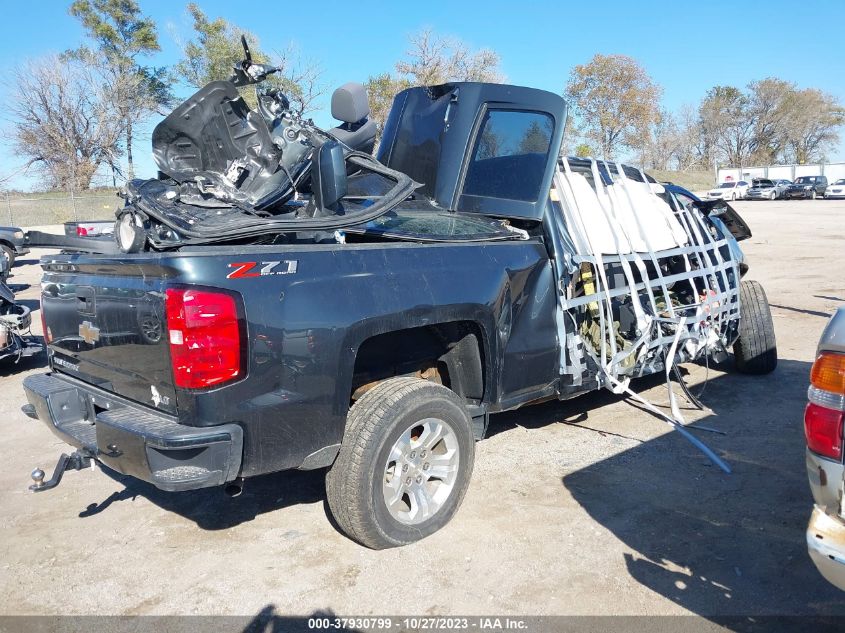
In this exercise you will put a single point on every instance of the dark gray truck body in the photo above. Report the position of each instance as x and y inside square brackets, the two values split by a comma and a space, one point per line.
[322, 321]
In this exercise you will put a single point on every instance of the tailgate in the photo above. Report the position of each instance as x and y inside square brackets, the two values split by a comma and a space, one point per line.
[105, 323]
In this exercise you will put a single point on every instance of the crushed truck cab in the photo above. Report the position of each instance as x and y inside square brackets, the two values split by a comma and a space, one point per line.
[290, 302]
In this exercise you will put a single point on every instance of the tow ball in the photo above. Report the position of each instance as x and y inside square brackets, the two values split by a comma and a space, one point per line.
[75, 461]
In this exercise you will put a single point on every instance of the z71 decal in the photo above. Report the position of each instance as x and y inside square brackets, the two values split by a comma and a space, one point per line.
[261, 269]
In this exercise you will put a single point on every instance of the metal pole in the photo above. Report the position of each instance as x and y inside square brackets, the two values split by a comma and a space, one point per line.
[73, 204]
[9, 209]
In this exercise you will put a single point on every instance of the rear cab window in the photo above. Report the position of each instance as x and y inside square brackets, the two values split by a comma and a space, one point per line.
[508, 159]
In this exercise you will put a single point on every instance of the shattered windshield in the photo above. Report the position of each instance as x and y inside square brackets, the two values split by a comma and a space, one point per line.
[435, 226]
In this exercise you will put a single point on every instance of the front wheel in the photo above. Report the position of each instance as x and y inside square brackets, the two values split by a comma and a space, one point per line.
[404, 464]
[773, 195]
[755, 351]
[813, 194]
[733, 197]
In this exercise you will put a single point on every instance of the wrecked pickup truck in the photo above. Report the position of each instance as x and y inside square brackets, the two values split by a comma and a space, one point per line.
[283, 300]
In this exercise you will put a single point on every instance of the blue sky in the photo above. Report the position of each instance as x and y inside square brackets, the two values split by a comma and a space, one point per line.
[687, 47]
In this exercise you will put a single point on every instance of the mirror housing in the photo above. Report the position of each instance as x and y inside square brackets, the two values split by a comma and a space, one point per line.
[328, 175]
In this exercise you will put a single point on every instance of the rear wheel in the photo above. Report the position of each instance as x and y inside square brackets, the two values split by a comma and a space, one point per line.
[404, 464]
[755, 351]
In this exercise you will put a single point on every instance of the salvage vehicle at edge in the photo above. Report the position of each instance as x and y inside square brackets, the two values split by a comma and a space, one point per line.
[319, 308]
[824, 429]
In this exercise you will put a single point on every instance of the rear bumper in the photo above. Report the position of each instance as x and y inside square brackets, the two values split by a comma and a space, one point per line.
[826, 531]
[132, 439]
[826, 544]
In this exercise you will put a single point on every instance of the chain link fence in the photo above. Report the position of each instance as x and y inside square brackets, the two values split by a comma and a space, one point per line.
[41, 210]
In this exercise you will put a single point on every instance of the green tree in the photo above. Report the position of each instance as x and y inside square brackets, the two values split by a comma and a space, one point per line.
[216, 48]
[381, 89]
[583, 150]
[123, 37]
[727, 120]
[615, 102]
[812, 124]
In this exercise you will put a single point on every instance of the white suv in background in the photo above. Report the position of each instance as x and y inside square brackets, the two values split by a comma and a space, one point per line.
[728, 191]
[836, 190]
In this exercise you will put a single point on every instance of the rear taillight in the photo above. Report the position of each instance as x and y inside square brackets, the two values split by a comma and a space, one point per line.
[205, 337]
[81, 231]
[824, 417]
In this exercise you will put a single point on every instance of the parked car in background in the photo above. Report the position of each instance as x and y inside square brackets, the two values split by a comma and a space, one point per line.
[89, 228]
[823, 428]
[766, 189]
[11, 246]
[728, 191]
[836, 190]
[810, 187]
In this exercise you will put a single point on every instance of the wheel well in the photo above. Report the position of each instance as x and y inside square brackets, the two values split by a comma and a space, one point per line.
[446, 353]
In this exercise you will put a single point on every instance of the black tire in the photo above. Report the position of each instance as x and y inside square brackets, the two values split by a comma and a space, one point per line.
[354, 484]
[9, 254]
[755, 351]
[813, 194]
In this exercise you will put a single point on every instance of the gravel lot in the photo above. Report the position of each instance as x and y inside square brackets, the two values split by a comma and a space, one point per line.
[585, 507]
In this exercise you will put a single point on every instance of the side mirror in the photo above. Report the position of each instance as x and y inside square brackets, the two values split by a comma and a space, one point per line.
[328, 175]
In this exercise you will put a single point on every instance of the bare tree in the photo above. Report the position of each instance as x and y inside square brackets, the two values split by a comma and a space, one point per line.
[773, 120]
[431, 59]
[615, 102]
[64, 120]
[435, 59]
[768, 108]
[661, 143]
[691, 150]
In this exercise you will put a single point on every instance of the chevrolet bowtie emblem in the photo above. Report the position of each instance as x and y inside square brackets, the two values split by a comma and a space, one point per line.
[89, 332]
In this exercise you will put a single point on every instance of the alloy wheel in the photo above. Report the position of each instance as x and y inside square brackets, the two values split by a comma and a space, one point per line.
[421, 471]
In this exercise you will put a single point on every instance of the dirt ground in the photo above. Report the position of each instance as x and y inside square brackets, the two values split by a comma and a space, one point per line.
[583, 507]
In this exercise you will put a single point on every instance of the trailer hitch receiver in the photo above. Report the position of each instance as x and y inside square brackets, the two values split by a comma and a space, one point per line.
[75, 461]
